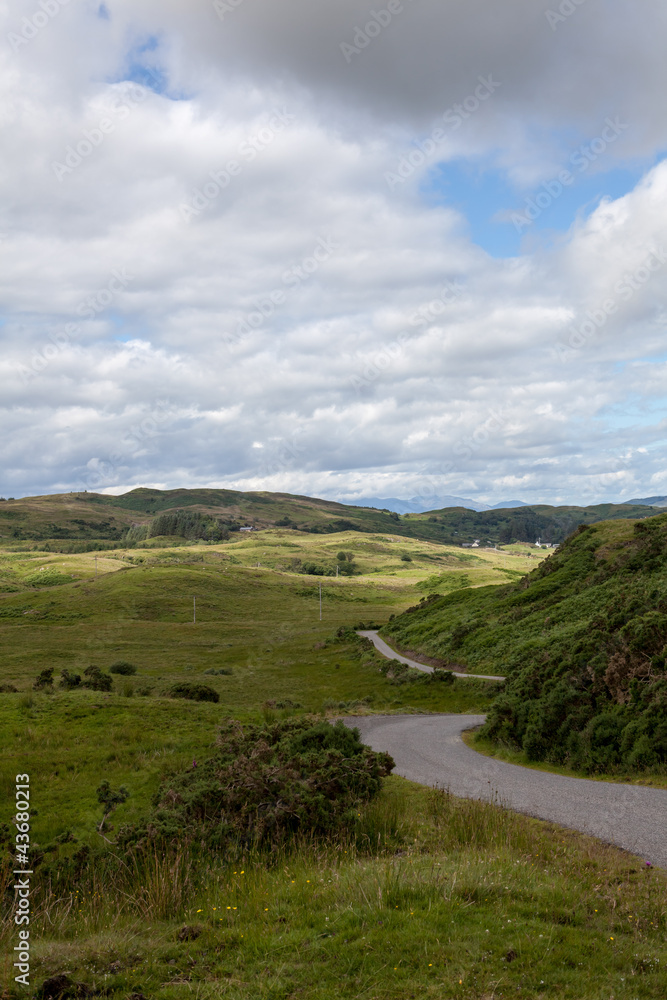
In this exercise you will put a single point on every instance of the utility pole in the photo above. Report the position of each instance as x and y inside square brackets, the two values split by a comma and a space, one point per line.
[320, 601]
[194, 610]
[96, 567]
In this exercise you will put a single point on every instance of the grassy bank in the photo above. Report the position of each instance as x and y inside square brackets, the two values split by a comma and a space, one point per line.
[582, 641]
[511, 755]
[428, 896]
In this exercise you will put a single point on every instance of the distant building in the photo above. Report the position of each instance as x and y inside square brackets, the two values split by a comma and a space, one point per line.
[247, 529]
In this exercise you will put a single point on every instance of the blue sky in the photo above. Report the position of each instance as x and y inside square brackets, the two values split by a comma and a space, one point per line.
[487, 199]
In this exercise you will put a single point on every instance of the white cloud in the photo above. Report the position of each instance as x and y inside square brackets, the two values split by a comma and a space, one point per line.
[240, 351]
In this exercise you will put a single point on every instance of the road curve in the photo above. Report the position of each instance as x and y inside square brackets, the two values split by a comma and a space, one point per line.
[386, 650]
[429, 749]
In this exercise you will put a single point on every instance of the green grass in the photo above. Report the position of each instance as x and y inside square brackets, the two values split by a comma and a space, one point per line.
[582, 641]
[512, 755]
[428, 896]
[258, 631]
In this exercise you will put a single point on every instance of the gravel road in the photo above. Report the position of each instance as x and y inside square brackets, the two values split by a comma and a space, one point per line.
[386, 650]
[429, 749]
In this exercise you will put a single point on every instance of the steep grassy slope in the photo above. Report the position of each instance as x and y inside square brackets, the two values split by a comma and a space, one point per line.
[582, 640]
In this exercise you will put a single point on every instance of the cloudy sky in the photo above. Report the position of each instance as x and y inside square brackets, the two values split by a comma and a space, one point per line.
[334, 247]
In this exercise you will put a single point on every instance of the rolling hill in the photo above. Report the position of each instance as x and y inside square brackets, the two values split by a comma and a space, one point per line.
[96, 516]
[583, 643]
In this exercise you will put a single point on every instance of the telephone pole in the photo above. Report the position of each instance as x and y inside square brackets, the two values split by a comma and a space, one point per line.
[194, 610]
[320, 601]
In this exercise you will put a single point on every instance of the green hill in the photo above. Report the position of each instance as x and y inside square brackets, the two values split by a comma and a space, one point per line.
[97, 516]
[523, 524]
[582, 640]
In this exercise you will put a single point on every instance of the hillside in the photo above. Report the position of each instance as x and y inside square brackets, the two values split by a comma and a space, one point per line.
[524, 524]
[582, 640]
[97, 516]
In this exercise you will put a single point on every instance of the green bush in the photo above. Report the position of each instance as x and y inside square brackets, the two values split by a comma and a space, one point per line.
[96, 679]
[194, 692]
[122, 667]
[69, 680]
[45, 680]
[267, 783]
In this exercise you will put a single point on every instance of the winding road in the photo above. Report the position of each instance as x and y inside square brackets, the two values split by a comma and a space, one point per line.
[428, 749]
[386, 650]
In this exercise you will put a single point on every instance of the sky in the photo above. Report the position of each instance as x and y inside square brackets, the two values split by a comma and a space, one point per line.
[334, 247]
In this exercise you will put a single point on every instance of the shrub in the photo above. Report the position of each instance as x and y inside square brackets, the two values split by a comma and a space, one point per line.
[267, 783]
[69, 681]
[406, 558]
[8, 689]
[220, 671]
[441, 675]
[122, 667]
[643, 755]
[45, 680]
[194, 692]
[96, 679]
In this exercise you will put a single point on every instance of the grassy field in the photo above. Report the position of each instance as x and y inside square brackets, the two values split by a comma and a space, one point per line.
[427, 896]
[257, 641]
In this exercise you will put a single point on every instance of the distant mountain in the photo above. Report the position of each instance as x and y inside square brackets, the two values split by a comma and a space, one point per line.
[415, 505]
[419, 505]
[506, 504]
[648, 502]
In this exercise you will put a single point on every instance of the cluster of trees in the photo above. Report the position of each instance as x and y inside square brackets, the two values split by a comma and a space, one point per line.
[93, 678]
[185, 524]
[345, 566]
